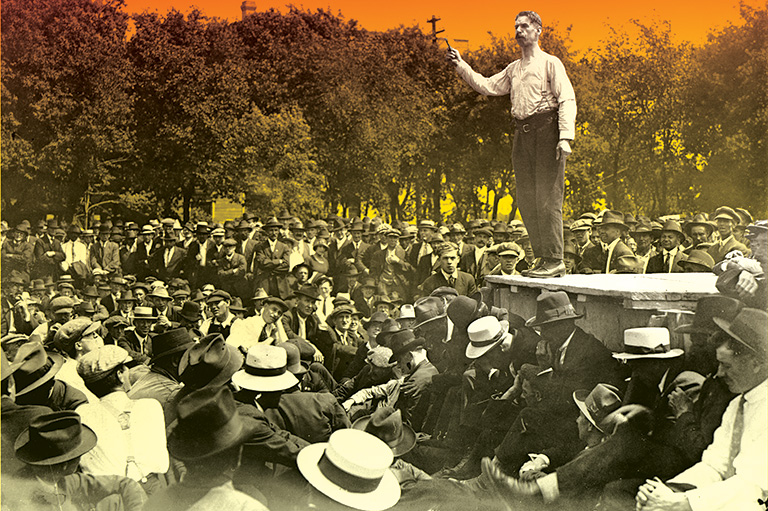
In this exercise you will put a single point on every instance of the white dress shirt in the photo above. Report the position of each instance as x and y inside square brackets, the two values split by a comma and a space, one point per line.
[714, 490]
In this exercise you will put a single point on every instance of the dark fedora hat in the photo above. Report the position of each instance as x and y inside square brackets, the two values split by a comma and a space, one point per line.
[427, 310]
[552, 306]
[208, 423]
[54, 438]
[611, 217]
[91, 291]
[402, 342]
[209, 363]
[35, 367]
[309, 291]
[273, 222]
[190, 311]
[170, 342]
[707, 309]
[748, 327]
[276, 301]
[388, 327]
[598, 405]
[700, 258]
[386, 423]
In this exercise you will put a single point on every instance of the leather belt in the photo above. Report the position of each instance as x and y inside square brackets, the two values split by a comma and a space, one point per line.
[536, 121]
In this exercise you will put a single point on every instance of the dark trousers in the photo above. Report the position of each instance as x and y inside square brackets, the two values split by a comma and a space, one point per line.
[540, 182]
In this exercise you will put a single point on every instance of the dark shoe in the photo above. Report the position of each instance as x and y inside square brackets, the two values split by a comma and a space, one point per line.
[467, 468]
[548, 270]
[536, 265]
[508, 488]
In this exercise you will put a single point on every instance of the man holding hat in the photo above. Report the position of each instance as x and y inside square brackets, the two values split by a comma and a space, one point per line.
[670, 254]
[726, 219]
[733, 471]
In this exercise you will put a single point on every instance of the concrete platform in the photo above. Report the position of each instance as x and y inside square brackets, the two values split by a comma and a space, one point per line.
[612, 303]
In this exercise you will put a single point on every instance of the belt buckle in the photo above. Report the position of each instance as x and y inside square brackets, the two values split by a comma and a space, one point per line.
[526, 128]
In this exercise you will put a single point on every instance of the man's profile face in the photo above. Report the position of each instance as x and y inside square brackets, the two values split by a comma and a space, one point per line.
[669, 240]
[526, 32]
[740, 372]
[220, 309]
[608, 233]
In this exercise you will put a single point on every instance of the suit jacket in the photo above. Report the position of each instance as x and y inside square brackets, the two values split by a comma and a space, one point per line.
[230, 275]
[175, 267]
[348, 251]
[592, 258]
[337, 355]
[468, 263]
[413, 253]
[129, 341]
[250, 247]
[656, 263]
[141, 259]
[312, 416]
[414, 403]
[335, 257]
[426, 268]
[719, 250]
[17, 257]
[587, 363]
[271, 268]
[403, 270]
[47, 265]
[109, 303]
[621, 249]
[291, 323]
[464, 285]
[106, 257]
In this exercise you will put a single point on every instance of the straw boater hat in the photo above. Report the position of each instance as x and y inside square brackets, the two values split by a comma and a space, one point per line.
[647, 343]
[484, 334]
[386, 424]
[265, 370]
[352, 468]
[598, 405]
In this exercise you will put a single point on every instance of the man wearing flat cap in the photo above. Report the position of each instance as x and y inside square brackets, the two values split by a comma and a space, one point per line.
[726, 219]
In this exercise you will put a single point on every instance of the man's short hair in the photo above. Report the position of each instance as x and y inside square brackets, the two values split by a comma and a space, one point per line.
[534, 17]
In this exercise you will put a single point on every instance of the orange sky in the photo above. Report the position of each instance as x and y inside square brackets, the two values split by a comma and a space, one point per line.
[691, 19]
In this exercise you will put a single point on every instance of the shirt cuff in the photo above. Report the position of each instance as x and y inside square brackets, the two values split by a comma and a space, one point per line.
[549, 487]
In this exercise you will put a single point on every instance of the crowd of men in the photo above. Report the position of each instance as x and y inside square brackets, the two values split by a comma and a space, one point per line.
[351, 364]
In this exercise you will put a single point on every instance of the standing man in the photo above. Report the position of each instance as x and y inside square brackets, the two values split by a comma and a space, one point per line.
[544, 108]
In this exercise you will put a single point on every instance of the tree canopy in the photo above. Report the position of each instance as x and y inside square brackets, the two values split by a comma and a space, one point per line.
[309, 111]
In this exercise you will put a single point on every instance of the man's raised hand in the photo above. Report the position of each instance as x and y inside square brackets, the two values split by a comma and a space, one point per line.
[453, 56]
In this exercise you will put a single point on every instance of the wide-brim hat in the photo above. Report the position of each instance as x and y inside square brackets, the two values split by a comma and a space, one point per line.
[144, 313]
[265, 370]
[485, 334]
[647, 343]
[611, 217]
[273, 222]
[598, 404]
[208, 423]
[160, 292]
[552, 306]
[170, 342]
[674, 227]
[260, 295]
[210, 362]
[386, 424]
[54, 438]
[277, 301]
[401, 342]
[699, 221]
[427, 310]
[748, 327]
[339, 309]
[352, 468]
[35, 367]
[294, 363]
[698, 257]
[707, 309]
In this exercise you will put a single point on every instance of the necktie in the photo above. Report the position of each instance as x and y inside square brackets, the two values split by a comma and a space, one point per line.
[738, 432]
[666, 262]
[452, 281]
[325, 306]
[167, 256]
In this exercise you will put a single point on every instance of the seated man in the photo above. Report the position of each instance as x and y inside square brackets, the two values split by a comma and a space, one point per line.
[732, 473]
